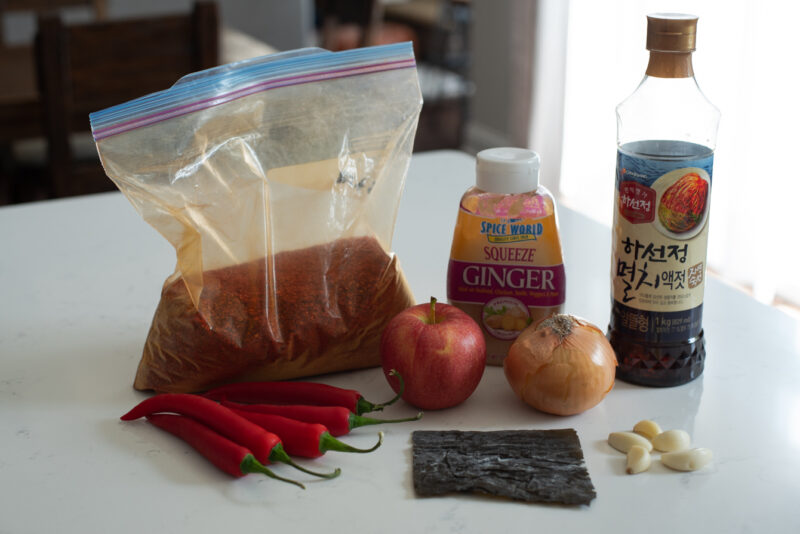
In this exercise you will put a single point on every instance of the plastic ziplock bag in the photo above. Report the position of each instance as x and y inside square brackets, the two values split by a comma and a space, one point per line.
[277, 180]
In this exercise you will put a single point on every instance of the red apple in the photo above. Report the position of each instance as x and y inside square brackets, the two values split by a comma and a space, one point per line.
[439, 352]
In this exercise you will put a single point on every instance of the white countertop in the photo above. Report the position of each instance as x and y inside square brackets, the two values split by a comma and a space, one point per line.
[80, 279]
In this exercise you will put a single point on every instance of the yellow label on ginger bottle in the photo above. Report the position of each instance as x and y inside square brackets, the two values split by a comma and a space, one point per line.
[506, 268]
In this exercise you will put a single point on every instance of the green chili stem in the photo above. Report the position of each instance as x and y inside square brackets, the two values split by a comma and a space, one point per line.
[251, 465]
[355, 420]
[364, 406]
[328, 443]
[279, 455]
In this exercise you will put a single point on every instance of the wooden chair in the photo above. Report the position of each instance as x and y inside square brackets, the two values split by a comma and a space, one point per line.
[88, 67]
[20, 108]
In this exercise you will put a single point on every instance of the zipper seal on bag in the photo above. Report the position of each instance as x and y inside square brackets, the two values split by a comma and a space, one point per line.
[223, 84]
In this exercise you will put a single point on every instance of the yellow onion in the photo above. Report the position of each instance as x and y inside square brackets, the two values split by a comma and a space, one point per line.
[562, 365]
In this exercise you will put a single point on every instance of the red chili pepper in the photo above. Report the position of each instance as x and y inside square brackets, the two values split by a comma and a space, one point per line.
[222, 452]
[265, 446]
[309, 440]
[338, 420]
[299, 393]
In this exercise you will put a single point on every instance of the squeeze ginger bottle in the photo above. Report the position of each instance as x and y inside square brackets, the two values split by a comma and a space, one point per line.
[506, 268]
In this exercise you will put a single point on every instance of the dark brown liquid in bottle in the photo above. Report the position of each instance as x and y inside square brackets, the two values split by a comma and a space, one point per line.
[659, 348]
[653, 363]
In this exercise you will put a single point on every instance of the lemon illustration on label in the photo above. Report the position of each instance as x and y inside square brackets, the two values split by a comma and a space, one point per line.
[505, 317]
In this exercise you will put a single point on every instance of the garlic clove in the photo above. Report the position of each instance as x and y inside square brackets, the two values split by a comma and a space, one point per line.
[623, 441]
[687, 460]
[672, 440]
[647, 428]
[638, 460]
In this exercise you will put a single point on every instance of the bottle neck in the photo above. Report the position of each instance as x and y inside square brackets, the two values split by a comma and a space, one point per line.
[670, 64]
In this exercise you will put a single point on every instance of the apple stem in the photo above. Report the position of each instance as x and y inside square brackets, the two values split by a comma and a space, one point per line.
[433, 310]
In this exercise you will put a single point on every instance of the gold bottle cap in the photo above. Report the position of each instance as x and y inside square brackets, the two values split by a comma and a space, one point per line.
[671, 32]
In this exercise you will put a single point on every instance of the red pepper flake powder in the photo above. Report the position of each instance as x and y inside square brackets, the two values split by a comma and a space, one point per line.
[298, 313]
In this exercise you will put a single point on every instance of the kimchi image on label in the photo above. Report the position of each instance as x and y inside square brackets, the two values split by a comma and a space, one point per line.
[506, 267]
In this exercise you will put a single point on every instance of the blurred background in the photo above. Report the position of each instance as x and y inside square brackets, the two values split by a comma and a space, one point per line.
[544, 74]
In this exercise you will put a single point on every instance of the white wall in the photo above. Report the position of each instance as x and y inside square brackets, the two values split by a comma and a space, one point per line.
[490, 71]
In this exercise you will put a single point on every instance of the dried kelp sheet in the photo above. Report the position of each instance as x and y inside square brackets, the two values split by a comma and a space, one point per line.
[528, 465]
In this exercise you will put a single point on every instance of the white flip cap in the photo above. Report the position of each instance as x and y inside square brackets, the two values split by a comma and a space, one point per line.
[507, 170]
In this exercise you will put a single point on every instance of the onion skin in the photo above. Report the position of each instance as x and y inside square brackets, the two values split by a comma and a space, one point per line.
[562, 365]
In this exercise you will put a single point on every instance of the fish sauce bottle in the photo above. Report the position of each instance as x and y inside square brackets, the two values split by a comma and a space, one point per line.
[506, 267]
[666, 135]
